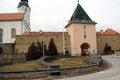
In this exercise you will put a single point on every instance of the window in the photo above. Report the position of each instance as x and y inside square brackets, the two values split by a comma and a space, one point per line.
[13, 33]
[84, 32]
[1, 35]
[85, 36]
[84, 27]
[65, 38]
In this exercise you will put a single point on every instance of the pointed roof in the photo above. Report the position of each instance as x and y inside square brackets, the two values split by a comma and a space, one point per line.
[80, 16]
[11, 16]
[23, 2]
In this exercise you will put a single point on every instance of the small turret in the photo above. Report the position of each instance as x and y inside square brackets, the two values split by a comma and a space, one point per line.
[23, 5]
[25, 0]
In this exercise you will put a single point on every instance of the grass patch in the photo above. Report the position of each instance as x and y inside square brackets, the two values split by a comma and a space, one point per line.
[32, 65]
[70, 62]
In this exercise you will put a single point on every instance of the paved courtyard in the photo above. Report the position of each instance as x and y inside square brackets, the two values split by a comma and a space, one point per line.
[112, 73]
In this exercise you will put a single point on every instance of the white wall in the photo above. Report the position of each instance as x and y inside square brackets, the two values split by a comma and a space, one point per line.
[7, 26]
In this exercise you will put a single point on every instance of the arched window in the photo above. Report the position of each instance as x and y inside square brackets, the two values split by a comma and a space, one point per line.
[1, 35]
[13, 33]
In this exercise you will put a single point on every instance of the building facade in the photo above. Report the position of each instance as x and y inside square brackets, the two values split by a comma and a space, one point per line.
[109, 37]
[23, 42]
[79, 39]
[83, 33]
[12, 24]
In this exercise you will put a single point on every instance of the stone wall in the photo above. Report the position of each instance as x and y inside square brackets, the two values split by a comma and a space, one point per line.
[111, 40]
[117, 53]
[23, 42]
[7, 47]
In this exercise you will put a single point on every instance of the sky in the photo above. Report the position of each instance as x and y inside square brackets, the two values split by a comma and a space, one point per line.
[53, 15]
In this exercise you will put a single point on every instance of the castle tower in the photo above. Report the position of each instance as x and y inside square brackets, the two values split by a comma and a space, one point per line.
[82, 31]
[23, 7]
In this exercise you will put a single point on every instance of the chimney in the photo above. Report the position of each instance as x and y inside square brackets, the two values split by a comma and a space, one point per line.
[27, 33]
[101, 31]
[41, 32]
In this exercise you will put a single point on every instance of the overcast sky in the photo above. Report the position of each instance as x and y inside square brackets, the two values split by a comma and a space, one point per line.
[52, 15]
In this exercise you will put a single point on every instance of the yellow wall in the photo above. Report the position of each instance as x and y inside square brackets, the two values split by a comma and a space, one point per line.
[23, 42]
[111, 40]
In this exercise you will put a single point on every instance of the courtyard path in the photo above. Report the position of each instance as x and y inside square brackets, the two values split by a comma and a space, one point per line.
[112, 73]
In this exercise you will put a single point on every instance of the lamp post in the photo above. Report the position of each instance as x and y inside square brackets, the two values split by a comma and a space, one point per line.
[42, 42]
[64, 37]
[63, 42]
[43, 45]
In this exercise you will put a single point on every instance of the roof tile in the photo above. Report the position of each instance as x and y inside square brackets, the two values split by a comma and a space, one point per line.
[45, 33]
[11, 16]
[108, 32]
[80, 15]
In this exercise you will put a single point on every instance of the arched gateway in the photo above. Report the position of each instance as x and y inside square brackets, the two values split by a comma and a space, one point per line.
[84, 48]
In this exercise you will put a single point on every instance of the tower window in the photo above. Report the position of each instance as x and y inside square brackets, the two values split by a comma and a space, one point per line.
[85, 36]
[84, 27]
[13, 33]
[84, 32]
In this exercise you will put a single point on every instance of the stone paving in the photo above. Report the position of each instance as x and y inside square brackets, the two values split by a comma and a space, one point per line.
[112, 78]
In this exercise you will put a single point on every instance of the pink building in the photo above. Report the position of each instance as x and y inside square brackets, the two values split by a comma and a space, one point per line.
[82, 30]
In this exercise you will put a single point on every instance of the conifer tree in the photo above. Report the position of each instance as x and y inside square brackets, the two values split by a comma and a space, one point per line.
[40, 46]
[107, 49]
[33, 52]
[52, 49]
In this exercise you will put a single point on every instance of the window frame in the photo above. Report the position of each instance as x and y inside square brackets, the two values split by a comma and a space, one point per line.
[13, 33]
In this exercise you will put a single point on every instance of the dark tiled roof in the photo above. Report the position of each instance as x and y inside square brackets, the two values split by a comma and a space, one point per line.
[11, 16]
[80, 15]
[23, 2]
